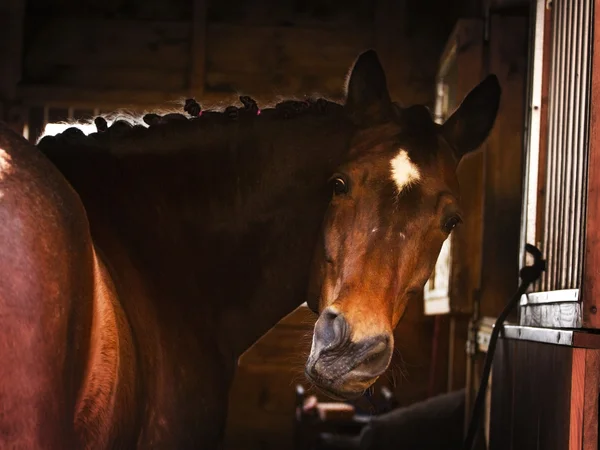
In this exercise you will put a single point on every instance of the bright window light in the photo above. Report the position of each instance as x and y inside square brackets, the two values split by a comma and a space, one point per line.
[52, 129]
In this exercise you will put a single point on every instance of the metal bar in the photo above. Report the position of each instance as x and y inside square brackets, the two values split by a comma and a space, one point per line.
[532, 153]
[545, 335]
[565, 205]
[557, 296]
[568, 148]
[577, 144]
[549, 201]
[560, 143]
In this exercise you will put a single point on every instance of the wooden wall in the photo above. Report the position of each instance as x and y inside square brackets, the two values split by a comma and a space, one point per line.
[131, 53]
[96, 52]
[143, 53]
[545, 396]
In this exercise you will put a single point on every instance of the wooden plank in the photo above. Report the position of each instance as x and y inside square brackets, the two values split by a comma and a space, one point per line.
[527, 407]
[531, 396]
[577, 398]
[281, 60]
[584, 339]
[114, 43]
[590, 399]
[122, 78]
[261, 408]
[503, 193]
[467, 46]
[591, 274]
[285, 346]
[198, 49]
[552, 315]
[549, 368]
[272, 60]
[502, 393]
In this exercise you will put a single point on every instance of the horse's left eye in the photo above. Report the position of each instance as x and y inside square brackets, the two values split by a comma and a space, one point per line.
[340, 186]
[451, 224]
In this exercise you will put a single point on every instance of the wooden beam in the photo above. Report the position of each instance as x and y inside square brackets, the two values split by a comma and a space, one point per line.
[198, 49]
[577, 399]
[590, 400]
[503, 165]
[591, 276]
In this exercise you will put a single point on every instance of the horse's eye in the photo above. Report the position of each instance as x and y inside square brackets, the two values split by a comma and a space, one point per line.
[340, 186]
[451, 224]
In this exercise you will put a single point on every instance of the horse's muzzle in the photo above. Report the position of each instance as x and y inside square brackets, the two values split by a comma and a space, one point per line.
[341, 367]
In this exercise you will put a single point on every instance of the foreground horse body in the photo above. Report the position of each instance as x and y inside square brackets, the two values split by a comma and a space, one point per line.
[142, 262]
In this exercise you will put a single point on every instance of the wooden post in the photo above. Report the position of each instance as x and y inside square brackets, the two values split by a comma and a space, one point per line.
[503, 162]
[591, 275]
[198, 49]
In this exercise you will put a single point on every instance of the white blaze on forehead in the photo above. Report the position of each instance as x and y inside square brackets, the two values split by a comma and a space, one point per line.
[404, 171]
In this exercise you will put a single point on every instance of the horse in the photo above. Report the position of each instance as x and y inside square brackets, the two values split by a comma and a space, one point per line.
[140, 261]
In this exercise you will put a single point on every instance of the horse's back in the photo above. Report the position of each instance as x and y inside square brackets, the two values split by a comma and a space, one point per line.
[46, 262]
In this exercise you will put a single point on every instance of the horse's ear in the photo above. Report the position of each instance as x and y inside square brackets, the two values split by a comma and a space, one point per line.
[469, 126]
[367, 97]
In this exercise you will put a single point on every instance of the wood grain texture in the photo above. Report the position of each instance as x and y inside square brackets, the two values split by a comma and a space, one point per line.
[531, 396]
[467, 239]
[281, 60]
[591, 275]
[545, 396]
[503, 162]
[179, 58]
[551, 315]
[590, 399]
[577, 398]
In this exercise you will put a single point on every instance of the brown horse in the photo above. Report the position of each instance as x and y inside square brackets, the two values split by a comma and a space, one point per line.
[140, 262]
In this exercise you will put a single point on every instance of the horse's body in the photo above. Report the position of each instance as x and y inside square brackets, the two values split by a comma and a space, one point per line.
[136, 274]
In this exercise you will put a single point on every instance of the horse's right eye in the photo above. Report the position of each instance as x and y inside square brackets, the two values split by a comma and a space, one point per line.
[340, 186]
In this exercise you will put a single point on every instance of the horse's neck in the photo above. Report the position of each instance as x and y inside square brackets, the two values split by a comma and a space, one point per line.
[231, 239]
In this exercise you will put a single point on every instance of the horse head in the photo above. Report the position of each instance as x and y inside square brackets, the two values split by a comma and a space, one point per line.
[394, 201]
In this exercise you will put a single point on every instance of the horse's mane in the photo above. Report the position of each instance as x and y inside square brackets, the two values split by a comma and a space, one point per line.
[124, 132]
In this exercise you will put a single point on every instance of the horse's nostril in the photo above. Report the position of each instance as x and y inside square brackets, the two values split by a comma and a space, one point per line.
[331, 328]
[376, 355]
[375, 352]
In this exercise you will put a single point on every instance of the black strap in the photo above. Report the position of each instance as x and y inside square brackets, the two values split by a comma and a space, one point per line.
[529, 274]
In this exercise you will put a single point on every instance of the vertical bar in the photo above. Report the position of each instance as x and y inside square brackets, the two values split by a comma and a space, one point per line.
[549, 154]
[532, 153]
[576, 179]
[561, 143]
[568, 149]
[551, 176]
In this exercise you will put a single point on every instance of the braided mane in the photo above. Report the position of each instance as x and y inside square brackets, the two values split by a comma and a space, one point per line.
[114, 131]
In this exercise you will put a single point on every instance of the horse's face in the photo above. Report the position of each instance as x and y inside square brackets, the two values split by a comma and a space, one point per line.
[393, 204]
